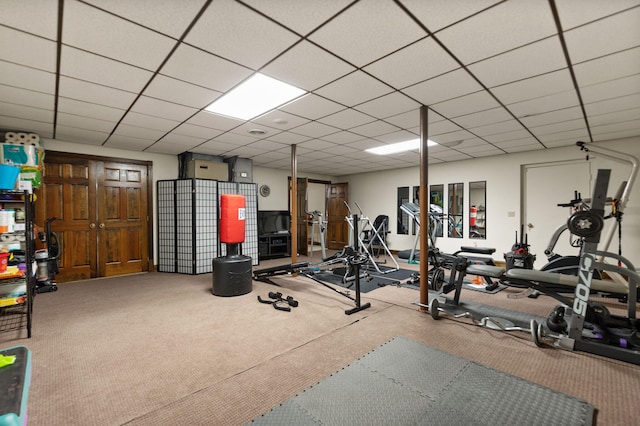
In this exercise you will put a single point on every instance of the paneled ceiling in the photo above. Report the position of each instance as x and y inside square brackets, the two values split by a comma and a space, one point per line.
[498, 76]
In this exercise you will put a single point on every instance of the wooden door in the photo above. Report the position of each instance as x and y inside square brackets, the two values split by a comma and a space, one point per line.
[102, 211]
[302, 220]
[337, 226]
[122, 219]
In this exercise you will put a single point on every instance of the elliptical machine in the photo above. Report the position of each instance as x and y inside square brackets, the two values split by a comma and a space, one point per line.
[47, 260]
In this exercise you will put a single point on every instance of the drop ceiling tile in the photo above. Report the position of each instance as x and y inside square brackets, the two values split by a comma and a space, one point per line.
[507, 136]
[544, 104]
[93, 30]
[550, 117]
[374, 129]
[214, 147]
[179, 92]
[280, 120]
[289, 138]
[354, 89]
[84, 136]
[315, 129]
[611, 89]
[496, 128]
[514, 143]
[488, 153]
[40, 18]
[482, 118]
[214, 121]
[317, 144]
[96, 69]
[319, 155]
[577, 134]
[617, 135]
[228, 29]
[268, 145]
[501, 28]
[534, 59]
[614, 117]
[87, 123]
[128, 130]
[27, 78]
[200, 68]
[452, 137]
[45, 130]
[26, 49]
[86, 109]
[406, 120]
[419, 61]
[437, 14]
[560, 143]
[26, 112]
[128, 142]
[94, 93]
[162, 109]
[610, 67]
[388, 105]
[245, 151]
[577, 12]
[399, 136]
[234, 139]
[300, 16]
[587, 42]
[616, 127]
[578, 124]
[307, 66]
[312, 107]
[467, 104]
[14, 95]
[533, 87]
[373, 29]
[342, 138]
[448, 86]
[610, 105]
[442, 127]
[346, 118]
[195, 131]
[171, 19]
[170, 146]
[161, 125]
[245, 128]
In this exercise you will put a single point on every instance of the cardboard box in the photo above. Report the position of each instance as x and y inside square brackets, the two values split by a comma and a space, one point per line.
[201, 169]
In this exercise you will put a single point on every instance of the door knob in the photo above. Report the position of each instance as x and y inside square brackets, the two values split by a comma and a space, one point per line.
[530, 225]
[92, 225]
[101, 226]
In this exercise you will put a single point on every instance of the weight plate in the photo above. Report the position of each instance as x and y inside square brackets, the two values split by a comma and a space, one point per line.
[585, 224]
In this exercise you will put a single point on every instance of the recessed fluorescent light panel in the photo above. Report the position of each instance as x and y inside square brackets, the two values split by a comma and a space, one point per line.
[394, 148]
[254, 97]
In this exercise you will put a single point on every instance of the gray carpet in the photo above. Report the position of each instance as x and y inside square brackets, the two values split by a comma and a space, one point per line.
[407, 383]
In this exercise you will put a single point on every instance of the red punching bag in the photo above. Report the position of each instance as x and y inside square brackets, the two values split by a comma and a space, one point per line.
[232, 218]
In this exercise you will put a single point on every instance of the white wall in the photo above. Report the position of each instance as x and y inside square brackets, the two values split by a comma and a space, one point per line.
[376, 193]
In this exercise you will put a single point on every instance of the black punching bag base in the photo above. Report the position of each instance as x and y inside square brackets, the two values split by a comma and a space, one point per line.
[232, 275]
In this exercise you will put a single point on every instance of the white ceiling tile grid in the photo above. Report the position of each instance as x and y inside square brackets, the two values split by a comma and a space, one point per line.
[498, 76]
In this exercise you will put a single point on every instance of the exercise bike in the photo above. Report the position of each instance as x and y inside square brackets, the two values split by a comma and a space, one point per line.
[47, 260]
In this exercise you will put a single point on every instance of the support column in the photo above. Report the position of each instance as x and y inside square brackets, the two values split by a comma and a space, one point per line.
[293, 197]
[424, 208]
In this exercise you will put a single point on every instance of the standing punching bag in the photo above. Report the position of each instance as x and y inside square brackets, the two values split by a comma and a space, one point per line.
[232, 273]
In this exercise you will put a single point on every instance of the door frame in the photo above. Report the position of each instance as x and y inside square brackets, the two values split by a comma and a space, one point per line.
[66, 156]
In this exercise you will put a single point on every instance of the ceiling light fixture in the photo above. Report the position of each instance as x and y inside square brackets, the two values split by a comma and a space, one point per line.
[254, 97]
[394, 148]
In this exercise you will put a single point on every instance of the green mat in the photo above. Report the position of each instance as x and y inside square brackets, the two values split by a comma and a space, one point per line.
[407, 383]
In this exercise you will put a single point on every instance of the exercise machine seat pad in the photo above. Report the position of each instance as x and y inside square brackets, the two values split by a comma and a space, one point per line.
[565, 280]
[477, 250]
[232, 218]
[485, 270]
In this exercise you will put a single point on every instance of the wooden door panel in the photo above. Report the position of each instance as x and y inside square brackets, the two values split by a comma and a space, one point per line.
[123, 242]
[302, 225]
[337, 227]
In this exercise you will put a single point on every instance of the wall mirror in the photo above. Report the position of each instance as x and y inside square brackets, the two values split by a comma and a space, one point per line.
[416, 200]
[436, 200]
[477, 209]
[456, 210]
[403, 218]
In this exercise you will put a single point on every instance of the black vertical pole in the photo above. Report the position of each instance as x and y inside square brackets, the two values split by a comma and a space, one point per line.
[424, 208]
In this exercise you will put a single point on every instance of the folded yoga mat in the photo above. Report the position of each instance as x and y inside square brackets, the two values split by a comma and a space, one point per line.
[407, 383]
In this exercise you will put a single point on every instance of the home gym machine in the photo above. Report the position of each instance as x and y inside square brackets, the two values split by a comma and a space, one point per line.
[435, 226]
[590, 327]
[353, 259]
[318, 226]
[369, 233]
